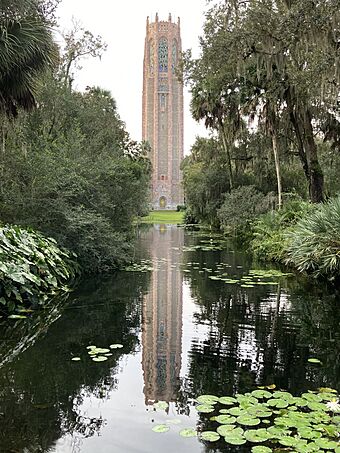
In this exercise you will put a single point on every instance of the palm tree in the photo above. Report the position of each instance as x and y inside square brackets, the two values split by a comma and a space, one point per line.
[26, 49]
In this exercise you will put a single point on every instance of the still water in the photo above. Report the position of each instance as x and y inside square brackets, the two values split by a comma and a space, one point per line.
[183, 334]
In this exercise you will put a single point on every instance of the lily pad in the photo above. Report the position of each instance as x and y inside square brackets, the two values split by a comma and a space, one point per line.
[116, 346]
[223, 430]
[261, 394]
[261, 449]
[160, 428]
[277, 402]
[99, 359]
[314, 360]
[188, 432]
[326, 444]
[161, 405]
[225, 419]
[234, 439]
[210, 436]
[227, 400]
[205, 408]
[76, 359]
[248, 420]
[208, 399]
[257, 435]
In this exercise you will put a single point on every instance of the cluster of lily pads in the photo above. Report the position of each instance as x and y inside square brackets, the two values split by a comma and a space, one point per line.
[99, 354]
[275, 419]
[254, 276]
[142, 266]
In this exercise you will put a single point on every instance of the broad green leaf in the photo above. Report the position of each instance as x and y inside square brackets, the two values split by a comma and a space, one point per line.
[188, 432]
[248, 420]
[261, 449]
[205, 408]
[210, 436]
[160, 428]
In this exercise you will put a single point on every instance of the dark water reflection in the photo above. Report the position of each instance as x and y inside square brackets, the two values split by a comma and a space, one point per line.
[183, 335]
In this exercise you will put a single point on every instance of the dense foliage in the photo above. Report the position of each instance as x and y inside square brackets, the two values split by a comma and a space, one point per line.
[68, 168]
[32, 269]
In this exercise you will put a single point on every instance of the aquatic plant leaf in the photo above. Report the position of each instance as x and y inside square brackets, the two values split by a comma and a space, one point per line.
[210, 436]
[327, 390]
[224, 411]
[161, 405]
[76, 359]
[261, 449]
[225, 429]
[207, 399]
[225, 419]
[257, 435]
[188, 432]
[312, 397]
[282, 395]
[17, 317]
[314, 360]
[234, 439]
[288, 441]
[248, 420]
[116, 346]
[259, 411]
[99, 359]
[92, 346]
[227, 400]
[317, 406]
[205, 408]
[160, 428]
[277, 402]
[308, 433]
[261, 394]
[326, 444]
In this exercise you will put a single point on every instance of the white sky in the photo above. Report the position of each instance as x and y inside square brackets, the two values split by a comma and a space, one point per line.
[122, 26]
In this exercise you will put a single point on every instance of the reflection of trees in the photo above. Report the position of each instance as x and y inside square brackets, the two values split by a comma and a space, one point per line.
[318, 310]
[41, 390]
[257, 336]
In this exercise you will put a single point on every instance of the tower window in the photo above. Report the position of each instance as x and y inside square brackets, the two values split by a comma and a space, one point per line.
[174, 55]
[163, 55]
[151, 55]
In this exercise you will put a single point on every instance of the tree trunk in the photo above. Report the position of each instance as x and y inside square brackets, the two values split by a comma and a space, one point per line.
[316, 180]
[277, 166]
[227, 151]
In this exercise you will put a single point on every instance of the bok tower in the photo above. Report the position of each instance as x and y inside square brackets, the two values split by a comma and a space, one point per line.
[163, 111]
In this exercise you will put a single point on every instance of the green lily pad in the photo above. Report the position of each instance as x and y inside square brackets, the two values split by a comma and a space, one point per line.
[188, 432]
[326, 444]
[308, 433]
[76, 359]
[261, 449]
[210, 436]
[99, 359]
[277, 402]
[225, 429]
[116, 346]
[227, 400]
[288, 441]
[205, 408]
[17, 317]
[237, 411]
[257, 435]
[261, 394]
[248, 420]
[161, 405]
[208, 399]
[312, 397]
[234, 439]
[317, 406]
[225, 419]
[282, 395]
[313, 360]
[160, 428]
[259, 411]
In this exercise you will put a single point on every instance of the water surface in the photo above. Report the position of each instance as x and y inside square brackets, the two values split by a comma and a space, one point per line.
[183, 334]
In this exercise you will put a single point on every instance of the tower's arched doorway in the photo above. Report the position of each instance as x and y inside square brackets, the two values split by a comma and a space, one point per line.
[162, 202]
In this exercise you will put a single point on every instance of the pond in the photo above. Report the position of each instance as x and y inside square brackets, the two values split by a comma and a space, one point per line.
[200, 318]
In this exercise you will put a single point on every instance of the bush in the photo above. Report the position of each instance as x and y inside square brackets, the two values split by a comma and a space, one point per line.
[32, 268]
[242, 205]
[270, 230]
[314, 242]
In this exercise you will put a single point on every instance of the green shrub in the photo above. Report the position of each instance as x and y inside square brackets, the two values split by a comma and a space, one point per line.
[270, 230]
[314, 242]
[242, 205]
[32, 268]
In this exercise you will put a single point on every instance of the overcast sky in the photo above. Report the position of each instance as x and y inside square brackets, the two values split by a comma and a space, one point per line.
[122, 26]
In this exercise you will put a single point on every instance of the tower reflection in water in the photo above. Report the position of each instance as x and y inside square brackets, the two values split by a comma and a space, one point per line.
[162, 317]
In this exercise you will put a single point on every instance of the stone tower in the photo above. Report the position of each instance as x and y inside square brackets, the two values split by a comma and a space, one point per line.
[163, 111]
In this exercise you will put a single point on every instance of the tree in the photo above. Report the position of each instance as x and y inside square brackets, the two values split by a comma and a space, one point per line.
[276, 56]
[27, 49]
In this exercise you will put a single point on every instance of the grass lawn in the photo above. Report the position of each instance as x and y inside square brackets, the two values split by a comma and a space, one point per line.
[163, 217]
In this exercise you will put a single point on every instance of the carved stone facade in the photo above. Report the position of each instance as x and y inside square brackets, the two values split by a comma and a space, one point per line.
[163, 111]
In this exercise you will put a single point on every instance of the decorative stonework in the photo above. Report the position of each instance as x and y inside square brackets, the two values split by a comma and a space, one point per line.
[163, 111]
